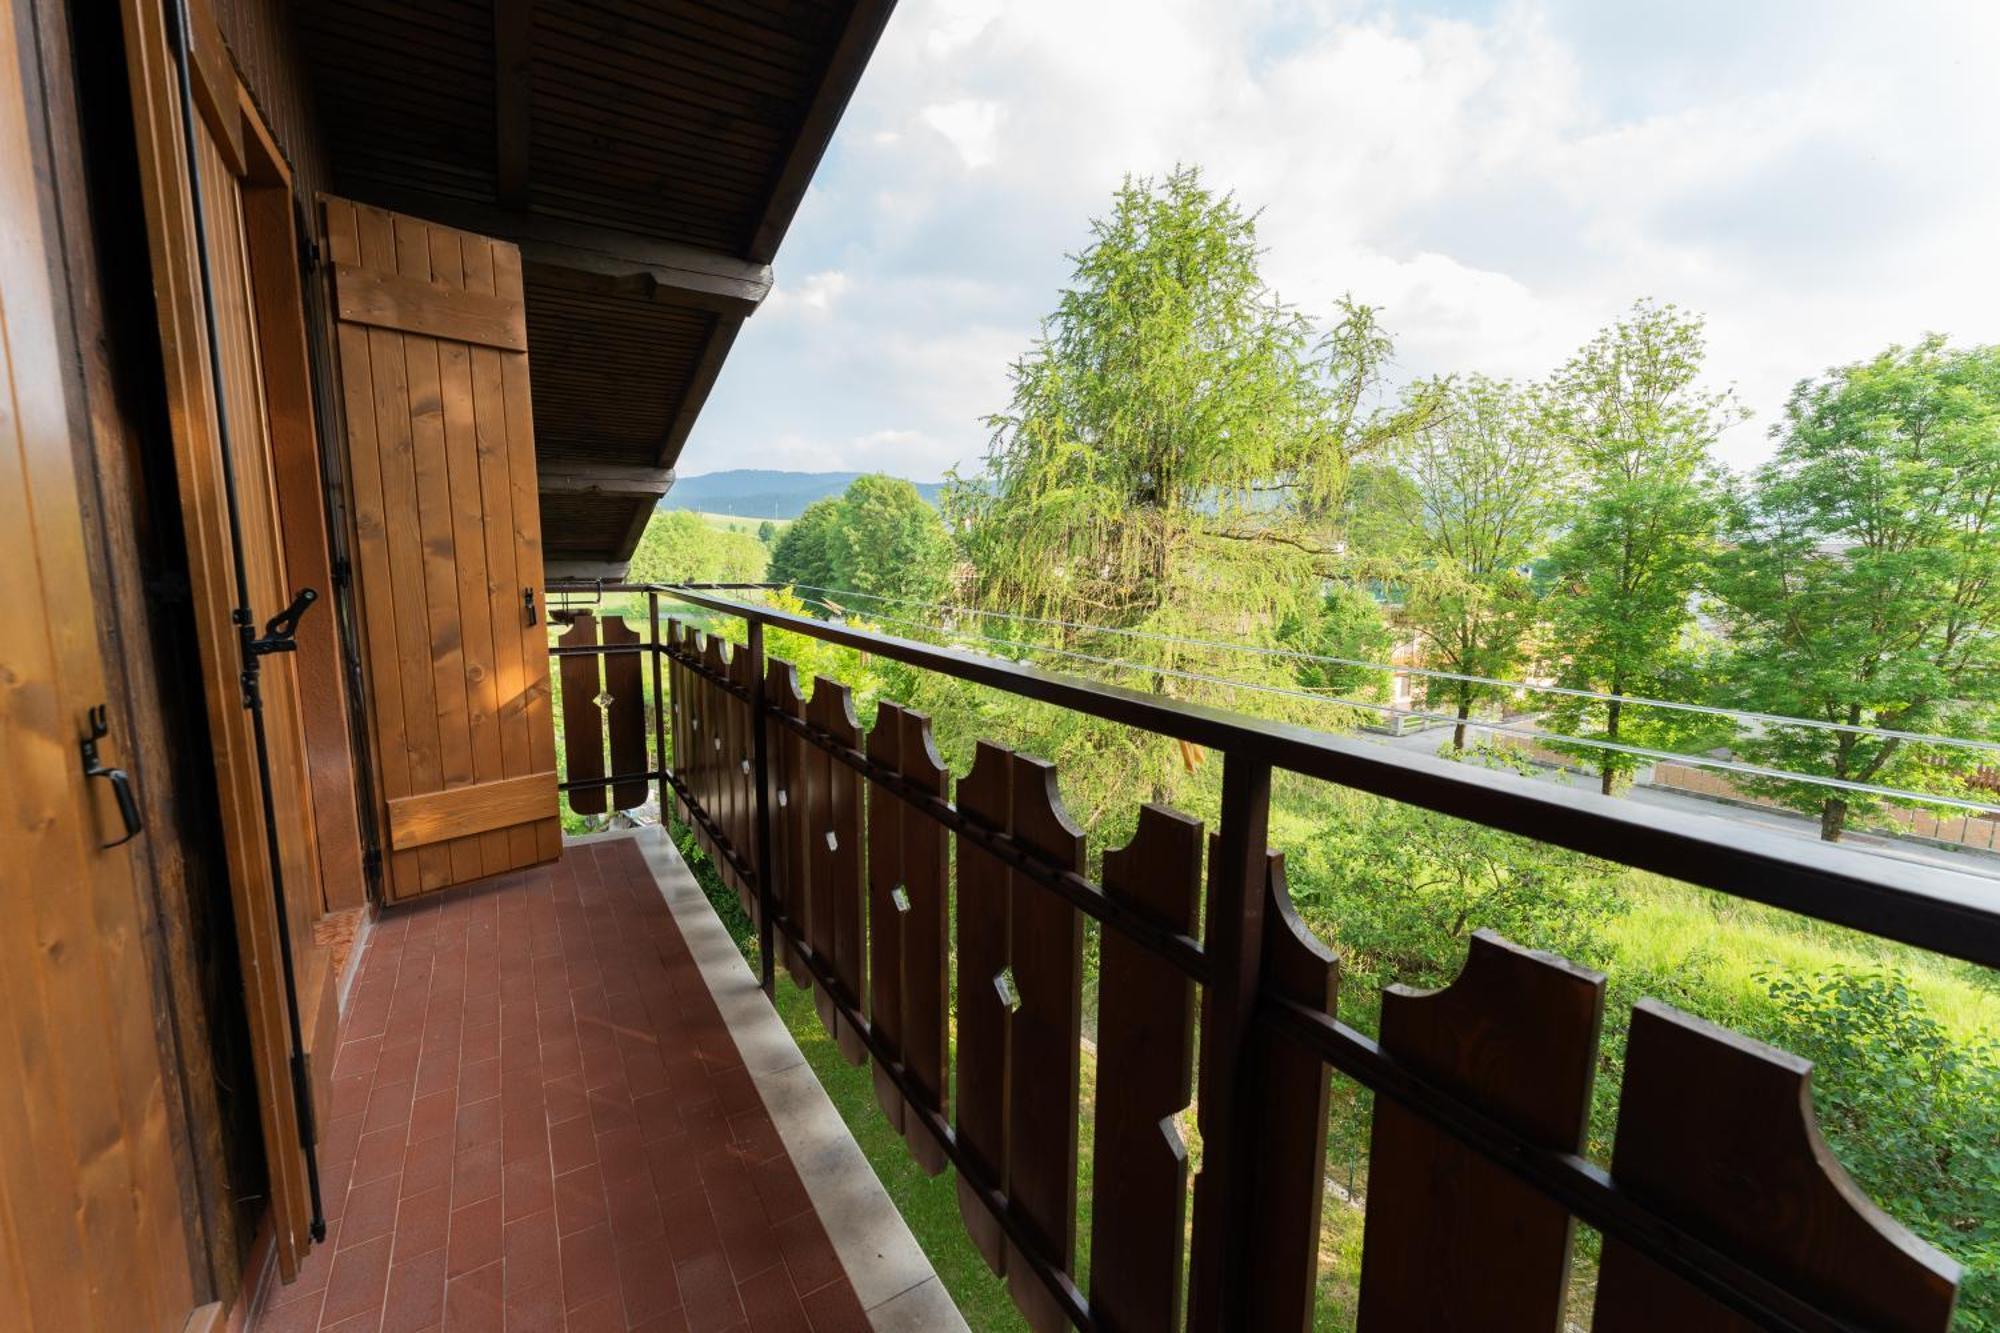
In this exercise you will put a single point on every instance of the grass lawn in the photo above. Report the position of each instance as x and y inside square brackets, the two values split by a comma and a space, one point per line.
[928, 1204]
[737, 523]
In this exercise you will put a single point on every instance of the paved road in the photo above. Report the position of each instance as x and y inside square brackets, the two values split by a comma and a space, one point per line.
[1968, 861]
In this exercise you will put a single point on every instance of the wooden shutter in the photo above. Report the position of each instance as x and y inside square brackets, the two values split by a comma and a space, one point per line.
[90, 1208]
[432, 340]
[214, 543]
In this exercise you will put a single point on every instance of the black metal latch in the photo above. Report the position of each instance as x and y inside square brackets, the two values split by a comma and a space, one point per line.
[281, 631]
[121, 785]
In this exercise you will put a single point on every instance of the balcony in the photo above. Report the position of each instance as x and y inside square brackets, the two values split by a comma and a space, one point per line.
[939, 927]
[559, 1101]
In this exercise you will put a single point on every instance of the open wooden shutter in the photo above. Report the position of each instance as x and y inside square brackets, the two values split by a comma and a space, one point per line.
[432, 338]
[241, 191]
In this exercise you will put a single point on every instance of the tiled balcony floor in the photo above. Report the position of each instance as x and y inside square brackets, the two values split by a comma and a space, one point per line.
[541, 1123]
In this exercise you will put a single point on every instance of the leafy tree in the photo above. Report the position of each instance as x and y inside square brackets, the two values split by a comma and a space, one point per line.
[890, 543]
[803, 558]
[679, 546]
[767, 532]
[1345, 623]
[1485, 500]
[1638, 431]
[1156, 425]
[1374, 519]
[1174, 455]
[1862, 578]
[878, 538]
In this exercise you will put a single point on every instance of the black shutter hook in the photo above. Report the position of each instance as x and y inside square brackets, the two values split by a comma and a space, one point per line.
[121, 785]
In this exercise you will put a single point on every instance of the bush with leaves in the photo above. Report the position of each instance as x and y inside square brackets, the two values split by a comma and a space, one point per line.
[1913, 1113]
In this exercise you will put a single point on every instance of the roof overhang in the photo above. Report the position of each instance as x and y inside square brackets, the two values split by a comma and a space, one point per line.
[648, 158]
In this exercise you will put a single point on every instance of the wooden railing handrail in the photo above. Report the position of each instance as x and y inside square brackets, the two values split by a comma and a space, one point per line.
[1945, 911]
[1720, 1195]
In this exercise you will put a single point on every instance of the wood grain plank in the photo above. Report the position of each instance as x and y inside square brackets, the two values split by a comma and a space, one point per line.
[624, 681]
[376, 602]
[984, 918]
[496, 504]
[742, 670]
[788, 810]
[177, 290]
[446, 648]
[583, 720]
[837, 857]
[408, 587]
[462, 811]
[1145, 1077]
[1716, 1133]
[1287, 1104]
[1045, 1048]
[1451, 1238]
[299, 492]
[83, 1172]
[468, 519]
[414, 303]
[887, 902]
[926, 855]
[725, 743]
[266, 588]
[526, 514]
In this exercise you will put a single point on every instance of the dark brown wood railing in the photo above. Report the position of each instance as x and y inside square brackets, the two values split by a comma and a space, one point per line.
[1722, 1208]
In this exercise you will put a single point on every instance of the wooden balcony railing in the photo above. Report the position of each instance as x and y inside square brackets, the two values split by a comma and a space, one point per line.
[940, 927]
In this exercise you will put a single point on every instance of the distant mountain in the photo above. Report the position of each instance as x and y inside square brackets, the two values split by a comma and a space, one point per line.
[763, 493]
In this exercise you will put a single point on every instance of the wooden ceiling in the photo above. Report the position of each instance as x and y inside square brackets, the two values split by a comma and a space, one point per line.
[647, 156]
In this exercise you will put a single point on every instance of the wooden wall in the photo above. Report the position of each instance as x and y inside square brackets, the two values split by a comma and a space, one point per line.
[266, 54]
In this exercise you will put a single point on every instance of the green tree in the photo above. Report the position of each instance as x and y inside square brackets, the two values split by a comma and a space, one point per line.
[877, 538]
[1167, 407]
[889, 543]
[1862, 577]
[1486, 496]
[803, 558]
[767, 532]
[1346, 623]
[679, 546]
[1172, 458]
[1638, 430]
[1374, 519]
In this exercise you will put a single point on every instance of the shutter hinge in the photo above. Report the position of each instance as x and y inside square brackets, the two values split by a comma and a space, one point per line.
[309, 254]
[343, 572]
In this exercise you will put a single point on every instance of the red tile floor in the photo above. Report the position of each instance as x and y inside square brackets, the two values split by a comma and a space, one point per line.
[541, 1123]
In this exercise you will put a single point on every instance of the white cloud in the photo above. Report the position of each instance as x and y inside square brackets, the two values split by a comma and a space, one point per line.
[970, 125]
[1502, 178]
[813, 298]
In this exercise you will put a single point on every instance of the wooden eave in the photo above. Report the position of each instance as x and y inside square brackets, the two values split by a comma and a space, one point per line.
[648, 156]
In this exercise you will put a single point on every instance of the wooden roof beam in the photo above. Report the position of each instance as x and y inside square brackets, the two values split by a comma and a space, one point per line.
[605, 257]
[563, 477]
[513, 84]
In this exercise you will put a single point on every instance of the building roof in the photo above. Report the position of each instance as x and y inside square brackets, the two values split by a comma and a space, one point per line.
[647, 156]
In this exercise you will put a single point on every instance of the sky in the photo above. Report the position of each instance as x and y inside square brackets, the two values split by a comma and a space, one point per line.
[1819, 178]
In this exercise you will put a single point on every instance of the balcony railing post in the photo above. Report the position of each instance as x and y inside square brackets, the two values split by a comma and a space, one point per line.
[1233, 939]
[760, 810]
[660, 705]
